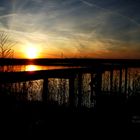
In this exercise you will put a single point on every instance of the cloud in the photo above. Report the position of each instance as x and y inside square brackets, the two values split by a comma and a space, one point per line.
[76, 26]
[2, 8]
[87, 3]
[38, 1]
[7, 16]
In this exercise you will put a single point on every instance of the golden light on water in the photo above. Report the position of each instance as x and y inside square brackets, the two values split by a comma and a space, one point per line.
[31, 68]
[38, 67]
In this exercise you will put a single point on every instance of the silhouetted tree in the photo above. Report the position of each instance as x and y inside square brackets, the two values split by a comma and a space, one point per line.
[6, 45]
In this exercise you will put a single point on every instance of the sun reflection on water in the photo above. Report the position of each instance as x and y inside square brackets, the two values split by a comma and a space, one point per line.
[38, 67]
[31, 68]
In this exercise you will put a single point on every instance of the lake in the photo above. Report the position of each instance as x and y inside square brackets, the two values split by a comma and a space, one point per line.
[20, 68]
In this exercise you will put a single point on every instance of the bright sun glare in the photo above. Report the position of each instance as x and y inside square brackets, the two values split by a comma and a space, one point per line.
[31, 68]
[31, 51]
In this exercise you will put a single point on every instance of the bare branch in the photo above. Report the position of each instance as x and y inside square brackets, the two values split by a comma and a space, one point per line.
[6, 45]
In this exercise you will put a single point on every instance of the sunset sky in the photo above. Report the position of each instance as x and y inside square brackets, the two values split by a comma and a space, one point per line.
[73, 28]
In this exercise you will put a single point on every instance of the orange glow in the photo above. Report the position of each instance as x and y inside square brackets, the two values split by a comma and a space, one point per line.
[31, 68]
[38, 67]
[31, 51]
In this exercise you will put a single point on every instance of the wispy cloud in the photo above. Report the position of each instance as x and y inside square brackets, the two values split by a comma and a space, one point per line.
[108, 10]
[2, 8]
[7, 16]
[76, 26]
[37, 1]
[87, 3]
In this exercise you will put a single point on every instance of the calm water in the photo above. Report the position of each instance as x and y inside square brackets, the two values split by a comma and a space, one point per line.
[18, 68]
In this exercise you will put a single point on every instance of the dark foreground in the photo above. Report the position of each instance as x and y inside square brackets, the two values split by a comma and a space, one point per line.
[40, 119]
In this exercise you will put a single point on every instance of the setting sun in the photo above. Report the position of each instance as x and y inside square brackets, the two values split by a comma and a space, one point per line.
[32, 51]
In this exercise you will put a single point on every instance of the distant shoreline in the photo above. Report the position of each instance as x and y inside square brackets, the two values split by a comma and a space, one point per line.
[69, 61]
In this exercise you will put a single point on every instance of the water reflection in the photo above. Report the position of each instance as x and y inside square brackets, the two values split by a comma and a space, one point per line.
[18, 68]
[31, 68]
[39, 67]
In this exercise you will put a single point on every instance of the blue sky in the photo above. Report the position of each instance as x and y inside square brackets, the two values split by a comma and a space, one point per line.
[76, 28]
